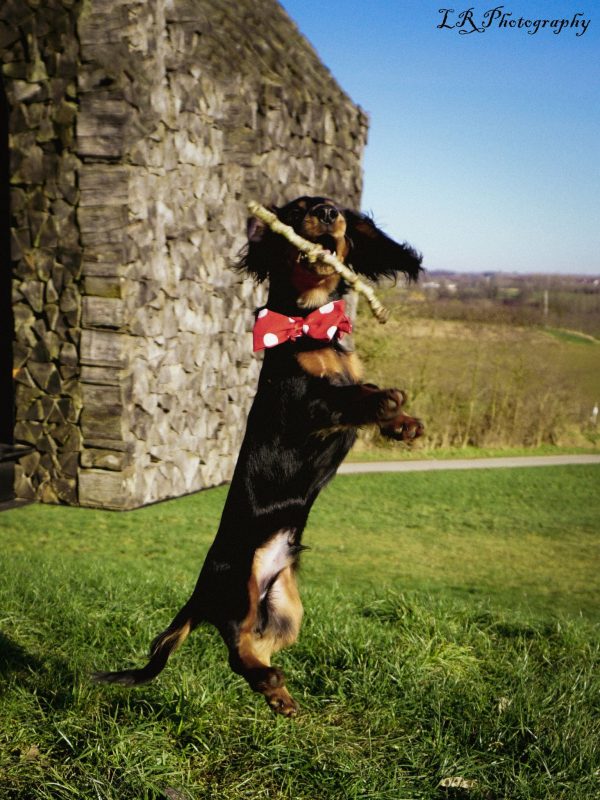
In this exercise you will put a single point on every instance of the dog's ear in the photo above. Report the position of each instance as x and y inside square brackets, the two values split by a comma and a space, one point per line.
[374, 254]
[256, 229]
[263, 250]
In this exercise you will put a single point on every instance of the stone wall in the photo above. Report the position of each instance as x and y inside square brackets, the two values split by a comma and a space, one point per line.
[139, 131]
[40, 62]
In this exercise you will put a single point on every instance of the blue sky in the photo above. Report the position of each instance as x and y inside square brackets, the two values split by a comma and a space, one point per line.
[484, 149]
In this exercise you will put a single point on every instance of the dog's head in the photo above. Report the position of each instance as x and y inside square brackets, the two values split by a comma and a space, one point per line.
[352, 237]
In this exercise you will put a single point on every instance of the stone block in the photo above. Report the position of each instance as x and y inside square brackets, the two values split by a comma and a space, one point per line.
[102, 422]
[104, 459]
[103, 185]
[101, 127]
[103, 312]
[103, 489]
[104, 348]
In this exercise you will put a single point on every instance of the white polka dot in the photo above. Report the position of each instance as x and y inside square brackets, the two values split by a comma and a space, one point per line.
[270, 340]
[331, 331]
[326, 309]
[305, 329]
[263, 313]
[291, 319]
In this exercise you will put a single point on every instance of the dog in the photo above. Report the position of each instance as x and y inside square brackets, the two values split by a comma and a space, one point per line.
[303, 421]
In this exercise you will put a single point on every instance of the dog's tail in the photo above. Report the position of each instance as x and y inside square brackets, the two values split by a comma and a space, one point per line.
[161, 648]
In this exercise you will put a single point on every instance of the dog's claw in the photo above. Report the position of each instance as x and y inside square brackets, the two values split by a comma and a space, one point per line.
[405, 429]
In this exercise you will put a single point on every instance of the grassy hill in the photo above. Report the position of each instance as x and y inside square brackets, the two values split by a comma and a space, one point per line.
[482, 378]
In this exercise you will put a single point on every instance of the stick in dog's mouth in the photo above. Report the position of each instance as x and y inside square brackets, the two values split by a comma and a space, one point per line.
[329, 245]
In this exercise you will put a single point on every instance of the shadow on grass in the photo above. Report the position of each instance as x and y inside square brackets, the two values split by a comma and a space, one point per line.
[14, 658]
[52, 678]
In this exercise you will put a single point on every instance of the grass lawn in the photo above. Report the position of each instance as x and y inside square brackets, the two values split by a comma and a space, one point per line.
[451, 635]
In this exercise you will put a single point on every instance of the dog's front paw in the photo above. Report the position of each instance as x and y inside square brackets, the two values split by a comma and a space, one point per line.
[388, 405]
[403, 428]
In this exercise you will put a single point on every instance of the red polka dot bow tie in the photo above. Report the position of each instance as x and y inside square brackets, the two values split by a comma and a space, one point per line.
[326, 323]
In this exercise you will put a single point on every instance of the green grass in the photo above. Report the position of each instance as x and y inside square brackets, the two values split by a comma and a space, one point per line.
[451, 631]
[575, 337]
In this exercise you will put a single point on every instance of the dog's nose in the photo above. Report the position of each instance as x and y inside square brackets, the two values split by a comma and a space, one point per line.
[326, 214]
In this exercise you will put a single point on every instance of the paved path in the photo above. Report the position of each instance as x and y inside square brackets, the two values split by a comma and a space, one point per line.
[465, 463]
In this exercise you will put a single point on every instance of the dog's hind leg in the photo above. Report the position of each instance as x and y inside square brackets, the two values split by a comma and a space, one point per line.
[161, 648]
[272, 622]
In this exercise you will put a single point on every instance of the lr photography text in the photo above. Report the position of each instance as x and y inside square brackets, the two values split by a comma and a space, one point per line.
[470, 20]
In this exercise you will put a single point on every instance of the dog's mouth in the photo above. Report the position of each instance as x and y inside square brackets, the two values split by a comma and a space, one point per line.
[318, 267]
[327, 242]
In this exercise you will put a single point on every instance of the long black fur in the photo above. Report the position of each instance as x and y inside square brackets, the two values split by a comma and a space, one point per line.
[299, 429]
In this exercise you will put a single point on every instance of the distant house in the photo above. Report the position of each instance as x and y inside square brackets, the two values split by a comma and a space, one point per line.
[440, 286]
[137, 134]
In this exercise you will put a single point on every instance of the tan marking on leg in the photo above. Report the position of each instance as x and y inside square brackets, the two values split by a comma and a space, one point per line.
[247, 635]
[286, 604]
[284, 601]
[253, 648]
[285, 617]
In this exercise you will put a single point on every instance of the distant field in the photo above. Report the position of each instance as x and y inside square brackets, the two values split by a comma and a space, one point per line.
[570, 302]
[451, 634]
[485, 384]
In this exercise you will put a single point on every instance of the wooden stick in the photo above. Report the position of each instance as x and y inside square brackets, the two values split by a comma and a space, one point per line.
[315, 252]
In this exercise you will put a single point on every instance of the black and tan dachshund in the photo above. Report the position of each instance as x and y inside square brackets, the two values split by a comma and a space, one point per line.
[303, 421]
